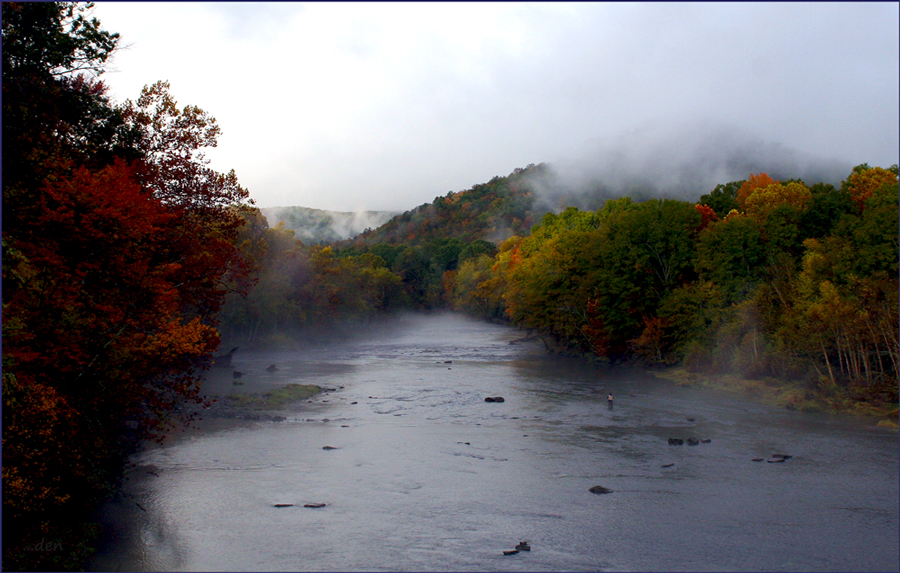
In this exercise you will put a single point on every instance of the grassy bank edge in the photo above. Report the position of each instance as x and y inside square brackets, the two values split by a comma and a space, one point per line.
[786, 394]
[274, 399]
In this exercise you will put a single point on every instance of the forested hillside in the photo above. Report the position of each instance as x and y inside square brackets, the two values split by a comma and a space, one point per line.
[494, 210]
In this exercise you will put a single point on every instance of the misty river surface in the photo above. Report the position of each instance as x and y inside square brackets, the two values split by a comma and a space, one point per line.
[427, 476]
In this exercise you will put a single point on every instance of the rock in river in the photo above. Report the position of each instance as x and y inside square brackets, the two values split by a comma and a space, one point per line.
[598, 489]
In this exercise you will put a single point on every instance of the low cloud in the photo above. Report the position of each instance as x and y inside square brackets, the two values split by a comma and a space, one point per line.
[679, 161]
[320, 226]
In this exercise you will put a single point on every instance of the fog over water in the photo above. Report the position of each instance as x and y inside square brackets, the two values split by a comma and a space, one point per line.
[427, 476]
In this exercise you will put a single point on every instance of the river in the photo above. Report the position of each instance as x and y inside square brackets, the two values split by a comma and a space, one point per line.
[427, 476]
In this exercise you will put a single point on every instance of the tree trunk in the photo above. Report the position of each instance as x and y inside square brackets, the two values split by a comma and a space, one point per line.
[828, 363]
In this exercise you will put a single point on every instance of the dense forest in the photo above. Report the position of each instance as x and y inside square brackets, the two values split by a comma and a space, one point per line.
[127, 260]
[118, 251]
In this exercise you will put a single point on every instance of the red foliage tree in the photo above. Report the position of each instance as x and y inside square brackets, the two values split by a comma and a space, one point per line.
[119, 247]
[707, 217]
[104, 332]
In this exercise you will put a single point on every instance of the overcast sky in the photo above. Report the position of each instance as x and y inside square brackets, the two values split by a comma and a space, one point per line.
[384, 106]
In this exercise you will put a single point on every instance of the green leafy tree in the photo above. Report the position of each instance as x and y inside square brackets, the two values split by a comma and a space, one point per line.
[731, 255]
[723, 198]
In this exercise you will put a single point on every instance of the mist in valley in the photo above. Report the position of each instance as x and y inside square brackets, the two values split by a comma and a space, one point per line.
[317, 226]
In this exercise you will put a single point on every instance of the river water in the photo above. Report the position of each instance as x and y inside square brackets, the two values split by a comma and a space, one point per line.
[427, 476]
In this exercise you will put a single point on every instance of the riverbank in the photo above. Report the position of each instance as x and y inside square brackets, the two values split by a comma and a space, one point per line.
[793, 395]
[256, 407]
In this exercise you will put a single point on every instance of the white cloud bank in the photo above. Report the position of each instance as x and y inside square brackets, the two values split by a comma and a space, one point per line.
[383, 106]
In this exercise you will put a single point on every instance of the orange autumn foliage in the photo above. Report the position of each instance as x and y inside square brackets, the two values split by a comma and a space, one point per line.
[754, 182]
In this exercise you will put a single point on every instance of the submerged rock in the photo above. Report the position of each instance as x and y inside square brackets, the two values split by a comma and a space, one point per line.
[705, 441]
[676, 442]
[693, 441]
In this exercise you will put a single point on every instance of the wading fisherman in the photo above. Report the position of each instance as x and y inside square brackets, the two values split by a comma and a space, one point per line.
[609, 400]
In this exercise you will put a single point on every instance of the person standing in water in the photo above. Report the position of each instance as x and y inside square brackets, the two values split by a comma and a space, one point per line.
[609, 400]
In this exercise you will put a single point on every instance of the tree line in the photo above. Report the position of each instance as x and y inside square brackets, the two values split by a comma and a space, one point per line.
[760, 277]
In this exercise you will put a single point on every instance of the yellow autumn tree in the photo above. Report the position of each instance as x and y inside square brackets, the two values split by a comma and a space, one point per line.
[762, 201]
[865, 180]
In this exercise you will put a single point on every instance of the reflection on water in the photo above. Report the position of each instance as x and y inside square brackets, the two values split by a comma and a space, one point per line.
[427, 476]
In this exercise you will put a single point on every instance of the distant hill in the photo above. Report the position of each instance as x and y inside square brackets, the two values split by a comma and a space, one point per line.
[489, 211]
[314, 226]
